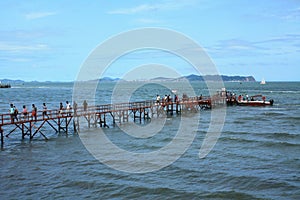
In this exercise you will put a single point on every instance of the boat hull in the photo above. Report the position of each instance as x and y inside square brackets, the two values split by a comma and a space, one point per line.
[5, 86]
[255, 103]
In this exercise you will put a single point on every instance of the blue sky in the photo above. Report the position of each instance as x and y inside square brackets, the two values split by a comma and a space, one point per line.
[49, 40]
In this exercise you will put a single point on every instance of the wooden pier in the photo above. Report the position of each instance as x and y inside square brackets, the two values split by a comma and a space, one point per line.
[100, 115]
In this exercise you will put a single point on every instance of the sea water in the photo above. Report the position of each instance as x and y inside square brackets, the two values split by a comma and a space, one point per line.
[255, 157]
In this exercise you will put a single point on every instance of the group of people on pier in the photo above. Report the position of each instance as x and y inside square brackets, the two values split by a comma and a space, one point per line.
[14, 112]
[167, 99]
[32, 114]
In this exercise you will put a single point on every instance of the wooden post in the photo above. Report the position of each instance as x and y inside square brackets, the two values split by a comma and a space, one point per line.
[67, 124]
[105, 125]
[77, 124]
[113, 116]
[177, 110]
[126, 115]
[95, 120]
[141, 115]
[23, 134]
[74, 126]
[134, 116]
[30, 129]
[2, 136]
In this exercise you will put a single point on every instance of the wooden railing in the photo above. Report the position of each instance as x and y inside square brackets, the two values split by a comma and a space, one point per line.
[6, 119]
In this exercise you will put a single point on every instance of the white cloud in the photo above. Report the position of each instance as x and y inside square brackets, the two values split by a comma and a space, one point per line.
[285, 39]
[18, 48]
[148, 21]
[235, 48]
[286, 14]
[37, 15]
[165, 5]
[19, 59]
[137, 9]
[293, 14]
[236, 44]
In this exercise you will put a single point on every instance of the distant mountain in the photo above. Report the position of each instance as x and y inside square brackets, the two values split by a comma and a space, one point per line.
[108, 79]
[104, 79]
[158, 79]
[14, 82]
[194, 77]
[238, 78]
[191, 77]
[230, 78]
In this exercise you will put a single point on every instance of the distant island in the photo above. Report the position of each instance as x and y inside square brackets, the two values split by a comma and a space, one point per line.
[194, 77]
[191, 77]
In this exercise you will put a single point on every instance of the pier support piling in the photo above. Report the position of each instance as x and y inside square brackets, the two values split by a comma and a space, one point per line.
[2, 136]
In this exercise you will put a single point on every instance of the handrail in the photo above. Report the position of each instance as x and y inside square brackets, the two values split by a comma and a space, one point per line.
[7, 118]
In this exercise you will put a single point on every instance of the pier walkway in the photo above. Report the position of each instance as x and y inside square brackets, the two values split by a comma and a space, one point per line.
[60, 120]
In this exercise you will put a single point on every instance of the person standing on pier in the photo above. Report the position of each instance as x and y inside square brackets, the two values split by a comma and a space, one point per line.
[34, 113]
[68, 107]
[75, 108]
[164, 100]
[61, 107]
[169, 98]
[85, 105]
[176, 100]
[16, 112]
[24, 112]
[157, 99]
[45, 111]
[12, 113]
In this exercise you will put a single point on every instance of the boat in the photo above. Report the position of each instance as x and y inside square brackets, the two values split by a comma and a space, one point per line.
[4, 85]
[254, 101]
[263, 82]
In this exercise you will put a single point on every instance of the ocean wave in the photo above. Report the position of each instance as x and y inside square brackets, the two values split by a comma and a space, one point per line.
[286, 91]
[279, 144]
[31, 87]
[237, 139]
[285, 135]
[273, 113]
[229, 194]
[292, 118]
[265, 139]
[153, 192]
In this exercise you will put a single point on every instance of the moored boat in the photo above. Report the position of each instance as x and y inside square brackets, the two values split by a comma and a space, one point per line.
[4, 85]
[254, 101]
[263, 82]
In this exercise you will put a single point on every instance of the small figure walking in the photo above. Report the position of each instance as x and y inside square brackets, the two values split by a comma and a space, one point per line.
[24, 112]
[16, 112]
[85, 105]
[75, 108]
[61, 107]
[12, 113]
[34, 113]
[157, 99]
[176, 99]
[45, 111]
[68, 107]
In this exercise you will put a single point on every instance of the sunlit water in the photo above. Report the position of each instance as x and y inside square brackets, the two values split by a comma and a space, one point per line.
[256, 157]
